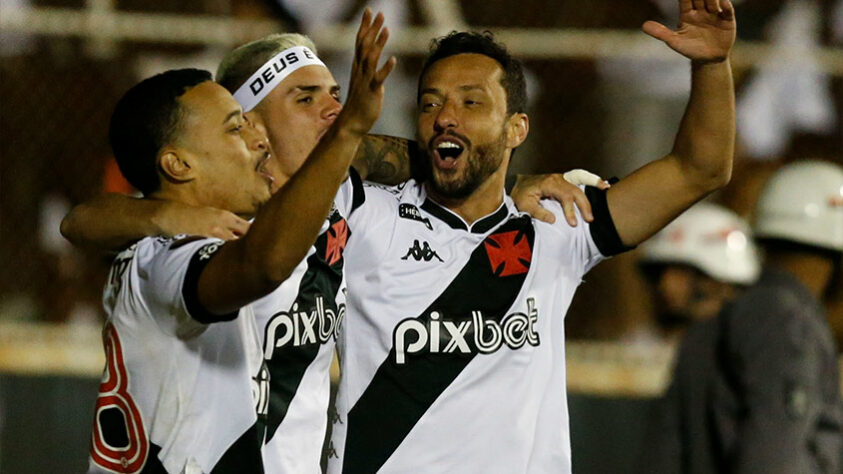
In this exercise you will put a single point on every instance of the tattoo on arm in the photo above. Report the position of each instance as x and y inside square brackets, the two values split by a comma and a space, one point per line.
[386, 159]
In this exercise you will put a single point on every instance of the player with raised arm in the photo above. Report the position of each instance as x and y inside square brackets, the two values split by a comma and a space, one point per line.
[185, 387]
[310, 301]
[456, 363]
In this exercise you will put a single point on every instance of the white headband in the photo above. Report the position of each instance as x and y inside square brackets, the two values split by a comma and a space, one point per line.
[268, 76]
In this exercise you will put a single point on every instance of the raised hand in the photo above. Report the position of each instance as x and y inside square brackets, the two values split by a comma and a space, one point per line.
[706, 30]
[365, 91]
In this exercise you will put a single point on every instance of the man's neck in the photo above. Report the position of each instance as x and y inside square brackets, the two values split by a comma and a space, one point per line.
[486, 199]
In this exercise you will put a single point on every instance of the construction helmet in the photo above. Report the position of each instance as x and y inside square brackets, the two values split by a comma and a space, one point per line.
[803, 202]
[711, 239]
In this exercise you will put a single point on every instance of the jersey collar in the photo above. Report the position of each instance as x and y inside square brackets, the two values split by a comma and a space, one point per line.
[480, 226]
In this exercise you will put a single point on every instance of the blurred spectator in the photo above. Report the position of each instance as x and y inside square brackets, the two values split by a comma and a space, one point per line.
[757, 388]
[13, 44]
[788, 94]
[697, 263]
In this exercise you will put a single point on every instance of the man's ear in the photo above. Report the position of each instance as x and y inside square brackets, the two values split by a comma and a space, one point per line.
[175, 165]
[517, 128]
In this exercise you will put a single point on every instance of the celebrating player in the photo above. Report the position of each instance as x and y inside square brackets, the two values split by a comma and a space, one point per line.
[297, 322]
[455, 363]
[185, 369]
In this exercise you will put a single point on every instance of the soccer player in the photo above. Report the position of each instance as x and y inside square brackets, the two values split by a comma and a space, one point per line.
[757, 388]
[185, 387]
[696, 264]
[452, 349]
[297, 322]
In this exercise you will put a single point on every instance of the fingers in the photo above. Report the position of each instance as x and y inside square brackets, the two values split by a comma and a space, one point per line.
[584, 206]
[226, 225]
[535, 210]
[570, 213]
[367, 34]
[713, 6]
[374, 50]
[579, 177]
[239, 227]
[657, 30]
[372, 38]
[384, 72]
[362, 30]
[567, 194]
[727, 10]
[710, 6]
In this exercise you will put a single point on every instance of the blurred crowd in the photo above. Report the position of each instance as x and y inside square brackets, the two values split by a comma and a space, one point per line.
[607, 115]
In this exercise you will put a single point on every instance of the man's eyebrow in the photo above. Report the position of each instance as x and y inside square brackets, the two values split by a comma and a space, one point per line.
[467, 87]
[231, 115]
[308, 88]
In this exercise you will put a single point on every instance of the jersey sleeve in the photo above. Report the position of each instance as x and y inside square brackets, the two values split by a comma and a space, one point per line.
[351, 194]
[372, 224]
[780, 373]
[591, 242]
[171, 278]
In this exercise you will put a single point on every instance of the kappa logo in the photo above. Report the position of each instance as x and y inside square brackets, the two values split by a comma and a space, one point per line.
[421, 252]
[509, 253]
[409, 211]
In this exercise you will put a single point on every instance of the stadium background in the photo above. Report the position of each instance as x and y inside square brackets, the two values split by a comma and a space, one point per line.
[604, 97]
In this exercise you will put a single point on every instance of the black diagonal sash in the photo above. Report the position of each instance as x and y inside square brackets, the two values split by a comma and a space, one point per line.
[399, 395]
[289, 363]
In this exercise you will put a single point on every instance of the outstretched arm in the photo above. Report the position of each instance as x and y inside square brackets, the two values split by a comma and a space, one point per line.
[288, 224]
[113, 221]
[701, 159]
[384, 159]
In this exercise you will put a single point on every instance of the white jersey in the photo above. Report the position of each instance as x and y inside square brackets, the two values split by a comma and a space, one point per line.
[298, 322]
[453, 349]
[264, 375]
[177, 391]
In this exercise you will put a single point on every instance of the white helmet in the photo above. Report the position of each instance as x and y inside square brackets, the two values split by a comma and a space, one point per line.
[710, 238]
[803, 202]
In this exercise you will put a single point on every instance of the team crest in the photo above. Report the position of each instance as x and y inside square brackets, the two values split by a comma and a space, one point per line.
[509, 253]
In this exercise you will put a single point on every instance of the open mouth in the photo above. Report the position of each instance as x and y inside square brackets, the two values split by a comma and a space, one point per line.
[261, 169]
[447, 150]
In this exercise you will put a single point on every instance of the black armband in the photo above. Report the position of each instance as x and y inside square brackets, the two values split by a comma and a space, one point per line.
[602, 229]
[190, 288]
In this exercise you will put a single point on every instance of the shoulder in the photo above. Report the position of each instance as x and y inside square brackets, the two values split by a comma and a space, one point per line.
[395, 192]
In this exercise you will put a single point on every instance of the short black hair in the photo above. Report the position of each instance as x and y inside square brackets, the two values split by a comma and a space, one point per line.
[145, 119]
[462, 42]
